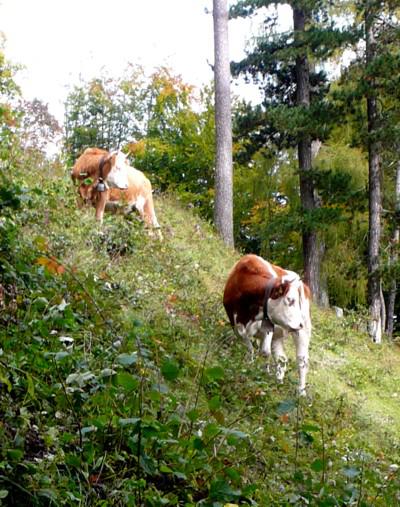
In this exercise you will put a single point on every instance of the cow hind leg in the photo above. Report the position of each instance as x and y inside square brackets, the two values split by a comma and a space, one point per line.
[242, 331]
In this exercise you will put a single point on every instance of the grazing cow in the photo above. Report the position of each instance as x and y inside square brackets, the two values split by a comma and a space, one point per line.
[98, 165]
[268, 302]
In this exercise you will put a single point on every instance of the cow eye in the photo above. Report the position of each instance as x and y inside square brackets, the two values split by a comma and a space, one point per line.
[291, 301]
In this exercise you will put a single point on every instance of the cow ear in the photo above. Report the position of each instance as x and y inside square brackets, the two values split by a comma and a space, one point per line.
[279, 290]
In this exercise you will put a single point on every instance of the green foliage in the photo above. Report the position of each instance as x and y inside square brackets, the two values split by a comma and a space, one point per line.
[121, 383]
[159, 121]
[9, 91]
[105, 112]
[271, 63]
[177, 148]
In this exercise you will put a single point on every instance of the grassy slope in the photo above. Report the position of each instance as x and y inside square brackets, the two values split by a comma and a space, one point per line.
[285, 449]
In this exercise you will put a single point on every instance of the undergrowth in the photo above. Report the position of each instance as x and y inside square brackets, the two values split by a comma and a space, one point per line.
[122, 383]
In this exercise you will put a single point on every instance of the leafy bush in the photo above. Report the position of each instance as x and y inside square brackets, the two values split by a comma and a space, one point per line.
[121, 383]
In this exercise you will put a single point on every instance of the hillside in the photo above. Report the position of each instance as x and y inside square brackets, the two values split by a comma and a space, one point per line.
[122, 383]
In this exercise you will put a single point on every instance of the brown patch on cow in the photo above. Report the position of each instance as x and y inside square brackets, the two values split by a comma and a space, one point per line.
[280, 289]
[87, 165]
[245, 289]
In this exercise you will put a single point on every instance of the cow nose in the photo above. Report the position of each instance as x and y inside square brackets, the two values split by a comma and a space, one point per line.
[301, 326]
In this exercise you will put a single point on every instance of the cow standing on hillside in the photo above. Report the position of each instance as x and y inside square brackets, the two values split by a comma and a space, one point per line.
[98, 165]
[268, 302]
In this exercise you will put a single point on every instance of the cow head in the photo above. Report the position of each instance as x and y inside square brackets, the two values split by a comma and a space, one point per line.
[286, 304]
[116, 169]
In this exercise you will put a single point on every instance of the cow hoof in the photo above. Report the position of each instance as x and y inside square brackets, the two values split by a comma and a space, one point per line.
[268, 369]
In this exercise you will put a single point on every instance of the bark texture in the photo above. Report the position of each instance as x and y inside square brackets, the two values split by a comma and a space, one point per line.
[223, 211]
[312, 250]
[394, 256]
[375, 193]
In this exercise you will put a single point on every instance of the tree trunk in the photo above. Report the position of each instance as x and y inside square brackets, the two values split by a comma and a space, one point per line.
[223, 211]
[394, 256]
[312, 251]
[375, 192]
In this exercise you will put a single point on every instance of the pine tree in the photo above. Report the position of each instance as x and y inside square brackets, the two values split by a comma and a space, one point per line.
[294, 111]
[371, 90]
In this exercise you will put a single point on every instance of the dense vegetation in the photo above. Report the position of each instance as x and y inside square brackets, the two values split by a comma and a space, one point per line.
[122, 384]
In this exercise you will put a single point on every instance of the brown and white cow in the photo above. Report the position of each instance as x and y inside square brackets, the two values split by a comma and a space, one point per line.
[103, 193]
[268, 302]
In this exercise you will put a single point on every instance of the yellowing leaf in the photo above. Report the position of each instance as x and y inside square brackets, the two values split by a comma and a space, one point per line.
[51, 264]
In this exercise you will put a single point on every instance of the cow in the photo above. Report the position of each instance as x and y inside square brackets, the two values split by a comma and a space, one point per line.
[268, 302]
[98, 165]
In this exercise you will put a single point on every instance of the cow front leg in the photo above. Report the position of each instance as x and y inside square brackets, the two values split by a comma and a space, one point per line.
[101, 205]
[302, 340]
[265, 349]
[280, 357]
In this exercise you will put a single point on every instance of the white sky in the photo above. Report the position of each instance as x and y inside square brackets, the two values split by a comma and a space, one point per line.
[60, 40]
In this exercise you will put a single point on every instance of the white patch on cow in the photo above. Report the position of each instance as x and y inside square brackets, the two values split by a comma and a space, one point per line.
[139, 204]
[268, 266]
[290, 276]
[286, 311]
[118, 176]
[266, 344]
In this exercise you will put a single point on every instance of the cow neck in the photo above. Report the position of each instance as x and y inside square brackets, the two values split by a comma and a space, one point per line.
[101, 165]
[101, 184]
[267, 294]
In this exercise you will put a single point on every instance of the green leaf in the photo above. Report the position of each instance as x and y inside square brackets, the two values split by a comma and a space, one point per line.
[15, 454]
[170, 370]
[31, 386]
[127, 381]
[211, 430]
[3, 493]
[180, 475]
[233, 474]
[154, 395]
[129, 420]
[193, 415]
[127, 359]
[48, 493]
[73, 460]
[215, 373]
[221, 490]
[165, 469]
[310, 427]
[286, 406]
[214, 403]
[61, 355]
[198, 444]
[317, 465]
